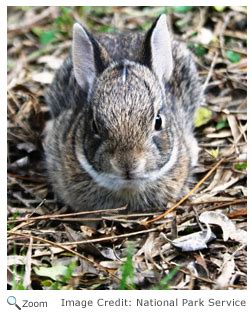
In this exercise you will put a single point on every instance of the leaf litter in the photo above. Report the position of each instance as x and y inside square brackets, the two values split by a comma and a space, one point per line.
[50, 248]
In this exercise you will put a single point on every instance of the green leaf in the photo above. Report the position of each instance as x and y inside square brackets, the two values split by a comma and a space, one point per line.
[20, 286]
[64, 22]
[197, 49]
[69, 271]
[47, 283]
[161, 10]
[53, 272]
[219, 8]
[128, 271]
[164, 282]
[47, 37]
[202, 116]
[182, 9]
[233, 57]
[106, 29]
[223, 123]
[241, 166]
[214, 153]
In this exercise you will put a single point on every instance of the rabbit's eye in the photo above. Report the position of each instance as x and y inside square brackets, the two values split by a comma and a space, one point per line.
[95, 129]
[158, 123]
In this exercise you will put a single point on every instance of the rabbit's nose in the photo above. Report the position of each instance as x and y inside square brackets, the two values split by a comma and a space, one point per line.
[128, 169]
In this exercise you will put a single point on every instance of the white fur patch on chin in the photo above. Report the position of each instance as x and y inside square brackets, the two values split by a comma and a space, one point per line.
[114, 182]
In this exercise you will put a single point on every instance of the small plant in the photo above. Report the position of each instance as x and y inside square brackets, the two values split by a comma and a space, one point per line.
[241, 166]
[58, 275]
[223, 123]
[14, 216]
[127, 281]
[197, 49]
[18, 275]
[60, 28]
[182, 9]
[202, 116]
[18, 279]
[164, 282]
[233, 56]
[214, 153]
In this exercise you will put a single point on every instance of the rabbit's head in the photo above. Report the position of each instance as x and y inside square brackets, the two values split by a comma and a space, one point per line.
[127, 139]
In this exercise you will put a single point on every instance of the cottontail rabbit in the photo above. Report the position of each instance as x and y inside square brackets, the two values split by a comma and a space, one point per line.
[122, 108]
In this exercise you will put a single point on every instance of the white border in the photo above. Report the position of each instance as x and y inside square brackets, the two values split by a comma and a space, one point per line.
[54, 296]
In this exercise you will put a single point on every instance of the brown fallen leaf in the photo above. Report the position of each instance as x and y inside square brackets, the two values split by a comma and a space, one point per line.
[238, 213]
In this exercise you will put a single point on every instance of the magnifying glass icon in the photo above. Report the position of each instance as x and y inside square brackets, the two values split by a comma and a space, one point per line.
[11, 300]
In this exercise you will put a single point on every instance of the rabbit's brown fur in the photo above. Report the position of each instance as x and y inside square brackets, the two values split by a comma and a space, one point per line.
[106, 147]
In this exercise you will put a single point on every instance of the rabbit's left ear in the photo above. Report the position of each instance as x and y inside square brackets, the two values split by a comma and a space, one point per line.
[89, 57]
[158, 49]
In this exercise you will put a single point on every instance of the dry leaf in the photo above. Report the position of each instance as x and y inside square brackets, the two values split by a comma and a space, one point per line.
[108, 253]
[28, 267]
[43, 78]
[195, 241]
[234, 128]
[201, 265]
[111, 264]
[87, 231]
[227, 271]
[52, 62]
[237, 213]
[228, 227]
[205, 36]
[151, 246]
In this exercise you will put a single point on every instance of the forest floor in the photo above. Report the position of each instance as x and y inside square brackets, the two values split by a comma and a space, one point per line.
[201, 244]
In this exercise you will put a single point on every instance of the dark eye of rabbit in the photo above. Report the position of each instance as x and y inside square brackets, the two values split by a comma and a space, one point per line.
[158, 123]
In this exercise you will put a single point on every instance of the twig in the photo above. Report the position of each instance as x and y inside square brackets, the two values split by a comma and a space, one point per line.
[223, 202]
[235, 34]
[140, 232]
[136, 233]
[210, 73]
[227, 18]
[58, 216]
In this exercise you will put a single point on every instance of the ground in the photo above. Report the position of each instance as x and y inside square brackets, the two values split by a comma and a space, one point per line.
[50, 249]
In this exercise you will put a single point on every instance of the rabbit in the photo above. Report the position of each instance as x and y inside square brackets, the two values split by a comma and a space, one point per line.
[122, 108]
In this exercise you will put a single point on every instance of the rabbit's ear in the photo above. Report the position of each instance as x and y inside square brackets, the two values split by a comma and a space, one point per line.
[89, 57]
[158, 49]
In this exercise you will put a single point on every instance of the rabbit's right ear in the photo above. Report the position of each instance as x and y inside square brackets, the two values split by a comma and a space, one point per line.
[89, 57]
[158, 49]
